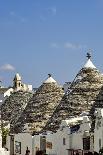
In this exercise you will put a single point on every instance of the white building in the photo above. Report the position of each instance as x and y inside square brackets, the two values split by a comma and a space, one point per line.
[18, 85]
[18, 143]
[73, 135]
[4, 93]
[98, 131]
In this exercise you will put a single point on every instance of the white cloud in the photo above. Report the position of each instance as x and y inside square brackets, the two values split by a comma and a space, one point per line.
[23, 20]
[7, 67]
[72, 46]
[53, 10]
[12, 13]
[68, 45]
[54, 45]
[42, 18]
[16, 16]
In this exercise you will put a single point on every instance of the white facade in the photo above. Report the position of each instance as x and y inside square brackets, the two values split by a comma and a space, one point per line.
[5, 94]
[20, 143]
[98, 132]
[56, 140]
[18, 85]
[25, 140]
[36, 144]
[4, 152]
[55, 143]
[63, 139]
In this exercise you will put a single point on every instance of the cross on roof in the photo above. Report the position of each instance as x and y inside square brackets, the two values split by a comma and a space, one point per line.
[49, 75]
[88, 55]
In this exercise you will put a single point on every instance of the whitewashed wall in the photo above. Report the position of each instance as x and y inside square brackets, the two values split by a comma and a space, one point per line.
[8, 92]
[8, 142]
[5, 95]
[58, 148]
[51, 139]
[26, 141]
[72, 141]
[35, 144]
[98, 132]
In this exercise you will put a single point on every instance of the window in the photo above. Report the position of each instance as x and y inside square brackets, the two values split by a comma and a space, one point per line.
[19, 84]
[64, 141]
[15, 84]
[49, 145]
[86, 143]
[17, 147]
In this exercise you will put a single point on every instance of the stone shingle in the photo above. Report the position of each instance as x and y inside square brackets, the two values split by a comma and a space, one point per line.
[80, 97]
[41, 107]
[14, 105]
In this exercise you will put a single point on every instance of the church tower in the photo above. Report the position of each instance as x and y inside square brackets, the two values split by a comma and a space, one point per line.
[17, 82]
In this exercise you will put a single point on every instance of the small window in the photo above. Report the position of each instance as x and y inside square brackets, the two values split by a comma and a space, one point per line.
[19, 84]
[17, 147]
[64, 141]
[15, 84]
[86, 143]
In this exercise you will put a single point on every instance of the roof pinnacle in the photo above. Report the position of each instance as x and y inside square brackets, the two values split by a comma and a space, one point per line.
[49, 79]
[49, 75]
[88, 55]
[89, 63]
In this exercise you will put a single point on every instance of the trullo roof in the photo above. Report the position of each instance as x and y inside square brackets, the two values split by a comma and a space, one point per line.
[41, 106]
[80, 96]
[14, 105]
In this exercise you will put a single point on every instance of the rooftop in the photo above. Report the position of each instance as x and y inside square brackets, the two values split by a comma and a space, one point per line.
[49, 79]
[89, 63]
[3, 90]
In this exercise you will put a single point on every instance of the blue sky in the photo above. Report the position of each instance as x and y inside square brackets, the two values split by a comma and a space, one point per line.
[38, 37]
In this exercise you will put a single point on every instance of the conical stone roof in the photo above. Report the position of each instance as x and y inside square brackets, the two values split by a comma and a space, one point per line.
[80, 96]
[14, 105]
[98, 104]
[41, 107]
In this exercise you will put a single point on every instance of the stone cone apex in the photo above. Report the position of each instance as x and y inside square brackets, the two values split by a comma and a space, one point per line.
[49, 79]
[89, 63]
[87, 70]
[41, 106]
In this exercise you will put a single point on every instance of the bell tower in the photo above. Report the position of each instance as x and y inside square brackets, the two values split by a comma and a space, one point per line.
[17, 82]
